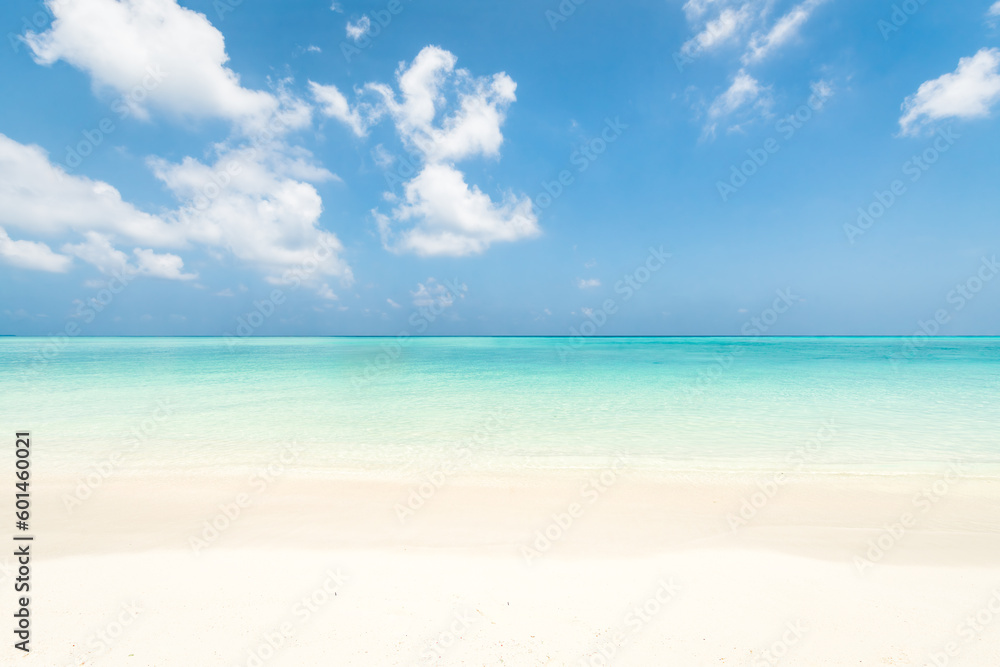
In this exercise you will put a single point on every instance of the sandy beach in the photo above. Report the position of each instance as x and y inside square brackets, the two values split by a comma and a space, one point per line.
[585, 567]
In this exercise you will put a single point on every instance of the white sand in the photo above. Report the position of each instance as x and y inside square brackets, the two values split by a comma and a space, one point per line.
[117, 582]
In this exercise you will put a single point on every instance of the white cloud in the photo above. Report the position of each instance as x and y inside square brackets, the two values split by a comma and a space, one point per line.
[450, 218]
[822, 90]
[312, 48]
[337, 7]
[588, 283]
[359, 28]
[98, 250]
[744, 95]
[31, 255]
[434, 293]
[968, 92]
[718, 31]
[441, 214]
[156, 54]
[226, 293]
[382, 157]
[334, 105]
[473, 128]
[994, 10]
[784, 30]
[695, 9]
[392, 303]
[163, 265]
[42, 198]
[325, 292]
[742, 91]
[267, 214]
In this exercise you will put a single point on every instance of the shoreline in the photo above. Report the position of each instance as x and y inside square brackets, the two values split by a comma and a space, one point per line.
[641, 513]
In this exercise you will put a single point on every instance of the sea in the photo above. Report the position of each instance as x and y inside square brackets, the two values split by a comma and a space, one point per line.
[811, 405]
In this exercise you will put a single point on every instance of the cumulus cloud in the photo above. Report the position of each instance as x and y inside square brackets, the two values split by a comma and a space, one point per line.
[256, 200]
[472, 129]
[587, 283]
[159, 265]
[439, 213]
[267, 214]
[970, 91]
[31, 255]
[762, 44]
[43, 199]
[174, 54]
[451, 218]
[97, 249]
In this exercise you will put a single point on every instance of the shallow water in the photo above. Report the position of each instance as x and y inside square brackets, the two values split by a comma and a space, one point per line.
[727, 404]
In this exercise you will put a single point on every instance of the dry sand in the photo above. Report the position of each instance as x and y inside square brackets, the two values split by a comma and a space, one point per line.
[636, 569]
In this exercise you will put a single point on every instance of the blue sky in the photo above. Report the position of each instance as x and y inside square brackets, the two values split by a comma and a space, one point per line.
[173, 168]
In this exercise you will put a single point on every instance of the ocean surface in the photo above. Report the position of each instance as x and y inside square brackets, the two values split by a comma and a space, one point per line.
[811, 405]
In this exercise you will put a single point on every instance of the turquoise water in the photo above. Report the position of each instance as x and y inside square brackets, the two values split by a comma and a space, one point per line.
[809, 404]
